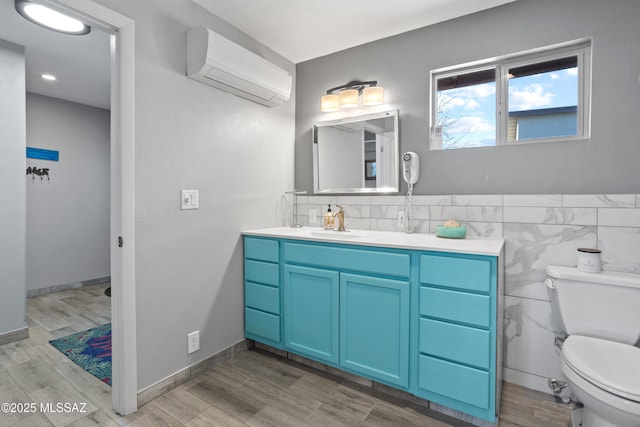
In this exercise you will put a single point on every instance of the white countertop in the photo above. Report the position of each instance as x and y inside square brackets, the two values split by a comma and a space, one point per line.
[386, 239]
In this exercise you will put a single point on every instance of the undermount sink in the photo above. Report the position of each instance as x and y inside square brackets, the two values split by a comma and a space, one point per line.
[332, 234]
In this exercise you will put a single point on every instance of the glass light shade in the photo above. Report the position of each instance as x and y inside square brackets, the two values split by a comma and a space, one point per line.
[50, 18]
[349, 98]
[329, 103]
[373, 95]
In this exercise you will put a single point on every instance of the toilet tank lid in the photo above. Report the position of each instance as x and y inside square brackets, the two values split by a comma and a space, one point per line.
[615, 278]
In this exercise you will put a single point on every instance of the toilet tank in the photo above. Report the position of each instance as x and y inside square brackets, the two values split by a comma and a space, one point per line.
[602, 305]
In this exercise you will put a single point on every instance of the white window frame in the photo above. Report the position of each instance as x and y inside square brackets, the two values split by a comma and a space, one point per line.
[580, 48]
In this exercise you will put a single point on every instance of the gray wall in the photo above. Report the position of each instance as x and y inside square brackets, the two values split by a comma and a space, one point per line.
[12, 188]
[238, 154]
[68, 215]
[606, 163]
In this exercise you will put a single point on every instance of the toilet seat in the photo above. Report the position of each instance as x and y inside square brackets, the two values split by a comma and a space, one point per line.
[611, 366]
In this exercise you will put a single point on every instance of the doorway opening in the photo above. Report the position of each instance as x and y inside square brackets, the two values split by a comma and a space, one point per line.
[122, 197]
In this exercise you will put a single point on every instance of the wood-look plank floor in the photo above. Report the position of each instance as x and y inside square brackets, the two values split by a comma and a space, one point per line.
[251, 389]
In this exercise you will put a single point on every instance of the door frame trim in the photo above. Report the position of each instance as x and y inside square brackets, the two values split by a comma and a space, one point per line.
[123, 302]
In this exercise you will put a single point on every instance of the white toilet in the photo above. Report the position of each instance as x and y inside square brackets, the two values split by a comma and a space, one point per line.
[601, 314]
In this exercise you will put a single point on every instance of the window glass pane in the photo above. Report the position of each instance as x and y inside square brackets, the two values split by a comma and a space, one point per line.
[465, 107]
[543, 100]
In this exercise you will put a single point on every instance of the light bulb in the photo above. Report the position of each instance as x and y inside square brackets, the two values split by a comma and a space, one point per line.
[329, 103]
[373, 95]
[348, 98]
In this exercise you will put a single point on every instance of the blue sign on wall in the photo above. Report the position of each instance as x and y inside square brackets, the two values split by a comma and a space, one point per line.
[42, 154]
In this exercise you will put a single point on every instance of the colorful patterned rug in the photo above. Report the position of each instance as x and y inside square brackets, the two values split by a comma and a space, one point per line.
[90, 349]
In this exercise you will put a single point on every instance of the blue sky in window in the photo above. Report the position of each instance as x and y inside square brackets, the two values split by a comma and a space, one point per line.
[467, 114]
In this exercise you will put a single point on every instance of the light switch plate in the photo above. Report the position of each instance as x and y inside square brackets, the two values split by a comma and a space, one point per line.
[189, 199]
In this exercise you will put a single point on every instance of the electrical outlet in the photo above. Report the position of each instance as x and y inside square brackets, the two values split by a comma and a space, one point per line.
[313, 216]
[189, 199]
[193, 342]
[401, 219]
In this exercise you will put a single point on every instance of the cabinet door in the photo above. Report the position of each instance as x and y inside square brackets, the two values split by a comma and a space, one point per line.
[311, 312]
[374, 327]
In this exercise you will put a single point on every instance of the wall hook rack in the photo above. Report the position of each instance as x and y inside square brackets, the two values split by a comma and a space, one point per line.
[41, 172]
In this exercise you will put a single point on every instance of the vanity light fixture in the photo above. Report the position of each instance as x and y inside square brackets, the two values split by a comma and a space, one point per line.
[349, 96]
[373, 95]
[50, 19]
[329, 103]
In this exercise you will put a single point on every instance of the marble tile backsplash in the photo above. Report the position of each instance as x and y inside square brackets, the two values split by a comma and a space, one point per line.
[538, 230]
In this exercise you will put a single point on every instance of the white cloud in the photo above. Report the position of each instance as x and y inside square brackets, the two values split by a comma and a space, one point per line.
[470, 124]
[529, 97]
[555, 76]
[446, 102]
[481, 91]
[466, 97]
[572, 72]
[471, 104]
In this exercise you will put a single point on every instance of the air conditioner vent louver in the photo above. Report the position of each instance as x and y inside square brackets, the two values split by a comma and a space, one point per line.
[221, 63]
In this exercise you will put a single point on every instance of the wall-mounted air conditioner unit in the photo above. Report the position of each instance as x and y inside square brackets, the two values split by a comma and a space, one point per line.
[221, 63]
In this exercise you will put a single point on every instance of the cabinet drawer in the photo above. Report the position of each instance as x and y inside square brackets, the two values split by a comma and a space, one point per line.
[352, 259]
[455, 342]
[260, 297]
[261, 249]
[473, 309]
[261, 272]
[458, 382]
[472, 274]
[262, 324]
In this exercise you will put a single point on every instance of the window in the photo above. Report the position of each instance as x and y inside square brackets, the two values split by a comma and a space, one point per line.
[541, 95]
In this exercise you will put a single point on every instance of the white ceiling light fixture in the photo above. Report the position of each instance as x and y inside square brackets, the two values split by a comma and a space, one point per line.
[49, 77]
[51, 19]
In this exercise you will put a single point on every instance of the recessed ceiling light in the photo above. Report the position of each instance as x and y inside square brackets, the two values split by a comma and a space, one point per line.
[50, 77]
[51, 19]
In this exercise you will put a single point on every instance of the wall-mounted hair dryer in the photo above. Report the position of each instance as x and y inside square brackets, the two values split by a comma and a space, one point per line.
[410, 167]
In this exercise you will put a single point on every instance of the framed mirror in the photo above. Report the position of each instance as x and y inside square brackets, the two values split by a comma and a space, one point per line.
[357, 154]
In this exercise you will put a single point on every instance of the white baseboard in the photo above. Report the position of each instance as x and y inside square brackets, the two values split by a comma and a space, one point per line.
[13, 336]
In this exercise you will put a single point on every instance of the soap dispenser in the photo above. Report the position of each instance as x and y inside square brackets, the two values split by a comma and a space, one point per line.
[328, 221]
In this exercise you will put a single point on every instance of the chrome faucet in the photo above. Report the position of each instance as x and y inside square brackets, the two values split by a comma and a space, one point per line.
[340, 215]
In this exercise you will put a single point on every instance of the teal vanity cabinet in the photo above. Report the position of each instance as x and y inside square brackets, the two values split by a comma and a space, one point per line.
[457, 332]
[349, 307]
[262, 290]
[418, 313]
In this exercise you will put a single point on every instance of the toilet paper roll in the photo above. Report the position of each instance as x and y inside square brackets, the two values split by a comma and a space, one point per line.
[589, 260]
